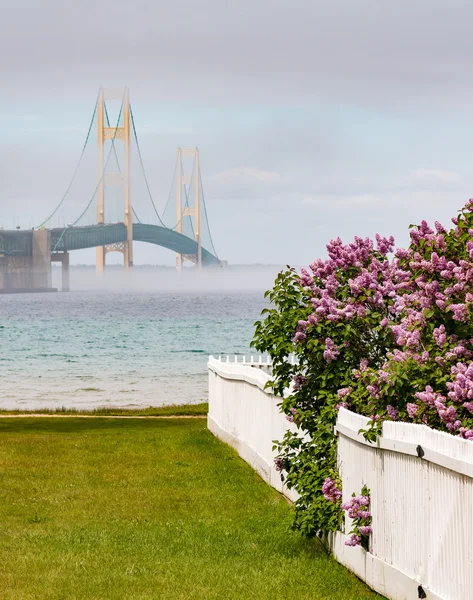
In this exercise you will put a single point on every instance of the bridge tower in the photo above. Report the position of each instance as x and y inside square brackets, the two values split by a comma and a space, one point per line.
[121, 179]
[189, 208]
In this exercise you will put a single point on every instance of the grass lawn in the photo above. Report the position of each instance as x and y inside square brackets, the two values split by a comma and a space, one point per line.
[174, 410]
[135, 509]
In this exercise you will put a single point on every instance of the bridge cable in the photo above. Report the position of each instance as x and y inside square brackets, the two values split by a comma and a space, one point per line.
[206, 216]
[75, 170]
[104, 168]
[143, 168]
[186, 194]
[170, 190]
[98, 184]
[116, 156]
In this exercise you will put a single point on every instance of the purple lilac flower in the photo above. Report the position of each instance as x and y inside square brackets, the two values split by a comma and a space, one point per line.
[356, 506]
[290, 417]
[449, 416]
[278, 464]
[330, 490]
[465, 433]
[355, 540]
[428, 396]
[373, 390]
[460, 312]
[383, 375]
[440, 336]
[461, 388]
[299, 381]
[306, 279]
[331, 350]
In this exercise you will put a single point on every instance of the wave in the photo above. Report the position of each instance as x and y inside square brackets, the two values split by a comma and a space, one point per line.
[188, 351]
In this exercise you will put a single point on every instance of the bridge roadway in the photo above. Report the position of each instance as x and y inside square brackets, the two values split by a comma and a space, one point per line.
[20, 243]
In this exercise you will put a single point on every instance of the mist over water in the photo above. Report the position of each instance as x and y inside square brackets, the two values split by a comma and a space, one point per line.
[130, 339]
[157, 278]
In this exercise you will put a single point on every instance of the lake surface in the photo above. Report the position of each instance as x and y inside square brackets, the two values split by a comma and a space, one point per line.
[86, 349]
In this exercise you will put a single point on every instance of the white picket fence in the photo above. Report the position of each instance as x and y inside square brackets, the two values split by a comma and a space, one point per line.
[421, 484]
[245, 415]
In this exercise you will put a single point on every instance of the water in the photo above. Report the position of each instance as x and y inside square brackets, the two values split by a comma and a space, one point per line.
[87, 349]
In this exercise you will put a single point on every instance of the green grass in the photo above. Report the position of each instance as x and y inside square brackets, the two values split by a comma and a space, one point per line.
[136, 509]
[174, 410]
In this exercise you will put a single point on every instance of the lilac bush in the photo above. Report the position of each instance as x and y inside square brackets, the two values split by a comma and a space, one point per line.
[385, 332]
[428, 376]
[330, 319]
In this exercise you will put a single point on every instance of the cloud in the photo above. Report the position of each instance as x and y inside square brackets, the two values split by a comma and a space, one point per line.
[337, 202]
[212, 50]
[394, 204]
[420, 188]
[15, 117]
[168, 129]
[433, 178]
[245, 174]
[52, 129]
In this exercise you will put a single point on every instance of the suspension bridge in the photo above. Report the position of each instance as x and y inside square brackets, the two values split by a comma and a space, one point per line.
[108, 218]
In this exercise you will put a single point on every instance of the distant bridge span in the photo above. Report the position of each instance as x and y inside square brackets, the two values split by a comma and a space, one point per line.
[20, 243]
[93, 236]
[26, 255]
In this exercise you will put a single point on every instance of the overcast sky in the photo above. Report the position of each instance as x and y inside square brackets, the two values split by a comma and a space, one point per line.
[313, 118]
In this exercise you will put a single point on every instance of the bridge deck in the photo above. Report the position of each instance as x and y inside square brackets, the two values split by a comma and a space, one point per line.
[19, 243]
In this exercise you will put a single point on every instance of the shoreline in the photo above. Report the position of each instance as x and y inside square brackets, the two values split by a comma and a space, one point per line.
[98, 416]
[167, 411]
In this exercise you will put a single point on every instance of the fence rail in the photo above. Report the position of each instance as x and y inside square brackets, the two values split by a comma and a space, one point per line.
[420, 480]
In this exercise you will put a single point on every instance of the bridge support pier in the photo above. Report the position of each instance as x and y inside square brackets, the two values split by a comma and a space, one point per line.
[40, 259]
[63, 258]
[28, 273]
[100, 260]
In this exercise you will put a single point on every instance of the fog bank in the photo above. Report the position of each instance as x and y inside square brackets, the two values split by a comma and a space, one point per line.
[164, 279]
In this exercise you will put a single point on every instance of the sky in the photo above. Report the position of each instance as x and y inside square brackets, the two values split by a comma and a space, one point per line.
[314, 119]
